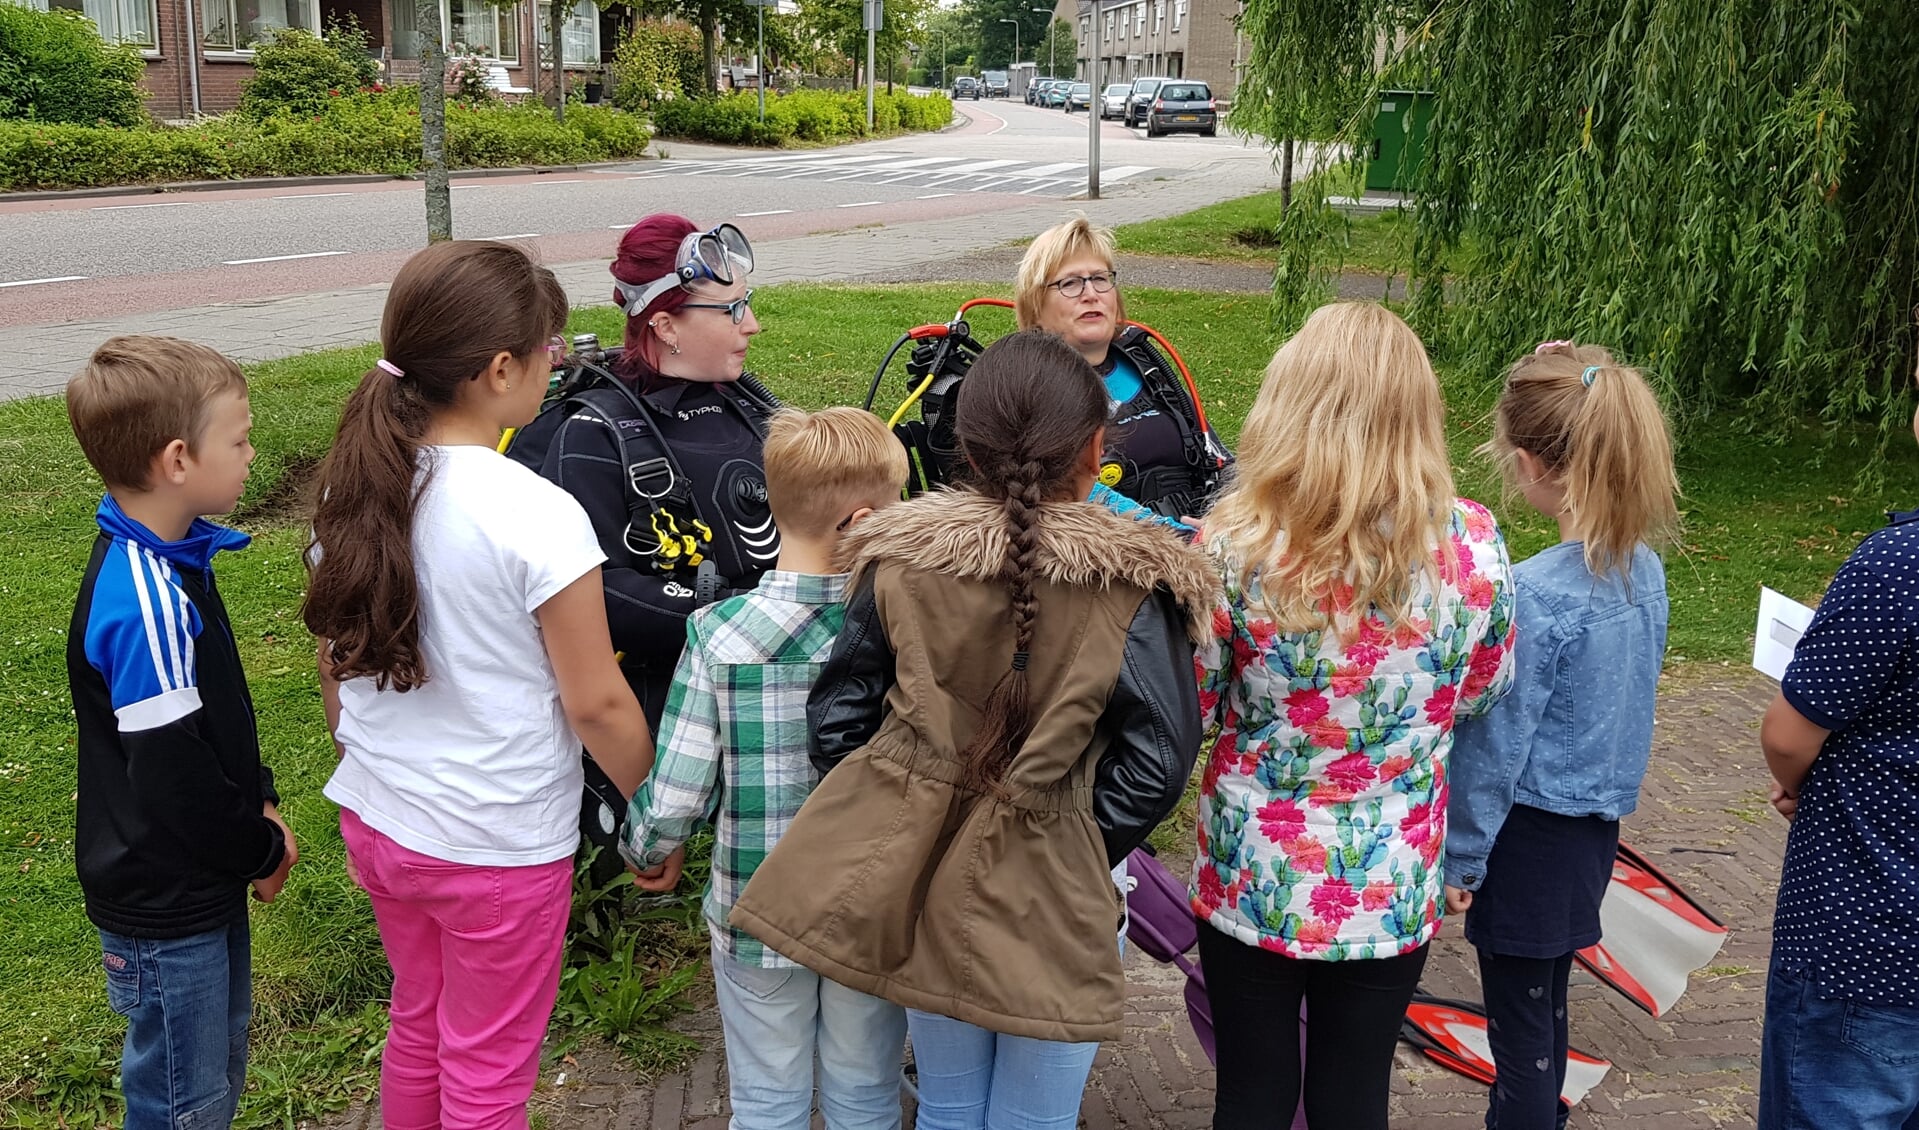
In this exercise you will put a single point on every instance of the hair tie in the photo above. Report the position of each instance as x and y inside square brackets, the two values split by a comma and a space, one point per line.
[1019, 661]
[1586, 378]
[389, 367]
[1546, 346]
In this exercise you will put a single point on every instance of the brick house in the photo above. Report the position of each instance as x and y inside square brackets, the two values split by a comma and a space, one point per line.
[1196, 39]
[199, 52]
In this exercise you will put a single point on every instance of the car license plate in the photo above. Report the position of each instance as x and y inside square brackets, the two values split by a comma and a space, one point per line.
[1186, 117]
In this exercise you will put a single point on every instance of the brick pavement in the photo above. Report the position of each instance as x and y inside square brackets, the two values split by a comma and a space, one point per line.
[1703, 818]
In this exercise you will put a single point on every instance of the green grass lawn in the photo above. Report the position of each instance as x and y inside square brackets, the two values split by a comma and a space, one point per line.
[1241, 231]
[1755, 514]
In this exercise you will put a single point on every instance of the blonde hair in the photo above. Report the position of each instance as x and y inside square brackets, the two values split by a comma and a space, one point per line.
[139, 393]
[1077, 238]
[821, 465]
[1343, 492]
[1598, 428]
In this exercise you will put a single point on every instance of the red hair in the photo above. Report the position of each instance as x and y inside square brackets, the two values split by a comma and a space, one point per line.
[649, 250]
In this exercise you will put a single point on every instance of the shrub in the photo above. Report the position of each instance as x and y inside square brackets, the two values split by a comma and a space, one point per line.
[54, 67]
[298, 72]
[468, 74]
[370, 132]
[803, 115]
[350, 41]
[657, 62]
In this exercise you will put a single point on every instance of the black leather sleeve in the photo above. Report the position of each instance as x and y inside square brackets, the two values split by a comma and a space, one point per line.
[844, 710]
[1152, 721]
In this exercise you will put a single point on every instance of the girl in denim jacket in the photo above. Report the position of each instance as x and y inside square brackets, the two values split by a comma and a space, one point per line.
[1540, 782]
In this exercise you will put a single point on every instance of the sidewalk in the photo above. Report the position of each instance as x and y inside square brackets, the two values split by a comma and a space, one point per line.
[42, 357]
[1703, 817]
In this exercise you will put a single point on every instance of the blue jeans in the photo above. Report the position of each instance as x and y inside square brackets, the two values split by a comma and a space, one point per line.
[186, 1001]
[1834, 1064]
[971, 1078]
[779, 1021]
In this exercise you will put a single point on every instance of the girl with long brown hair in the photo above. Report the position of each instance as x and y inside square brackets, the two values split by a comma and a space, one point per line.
[1366, 608]
[1008, 711]
[1540, 783]
[463, 656]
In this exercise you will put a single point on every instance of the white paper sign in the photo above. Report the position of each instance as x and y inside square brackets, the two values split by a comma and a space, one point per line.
[1782, 620]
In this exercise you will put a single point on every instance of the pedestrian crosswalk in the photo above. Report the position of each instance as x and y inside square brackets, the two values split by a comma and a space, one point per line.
[949, 175]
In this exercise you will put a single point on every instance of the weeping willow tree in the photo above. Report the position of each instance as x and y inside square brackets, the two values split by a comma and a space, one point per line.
[1725, 190]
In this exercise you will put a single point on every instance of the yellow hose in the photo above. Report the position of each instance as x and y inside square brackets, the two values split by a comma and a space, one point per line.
[900, 412]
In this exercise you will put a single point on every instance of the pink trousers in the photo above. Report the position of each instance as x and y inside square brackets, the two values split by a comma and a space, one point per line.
[476, 966]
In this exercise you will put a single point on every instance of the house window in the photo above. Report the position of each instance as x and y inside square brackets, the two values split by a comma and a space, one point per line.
[1124, 23]
[1139, 18]
[120, 21]
[1109, 26]
[475, 27]
[1085, 32]
[580, 34]
[1159, 16]
[1179, 13]
[238, 25]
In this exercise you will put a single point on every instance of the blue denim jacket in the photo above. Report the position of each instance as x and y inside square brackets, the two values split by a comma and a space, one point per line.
[1574, 734]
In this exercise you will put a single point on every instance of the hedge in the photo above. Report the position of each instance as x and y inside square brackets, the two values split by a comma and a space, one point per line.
[801, 116]
[373, 132]
[54, 67]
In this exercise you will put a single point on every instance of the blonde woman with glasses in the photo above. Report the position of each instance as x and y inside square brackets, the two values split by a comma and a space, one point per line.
[1366, 609]
[1159, 450]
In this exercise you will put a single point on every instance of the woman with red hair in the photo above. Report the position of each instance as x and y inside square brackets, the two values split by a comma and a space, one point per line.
[660, 442]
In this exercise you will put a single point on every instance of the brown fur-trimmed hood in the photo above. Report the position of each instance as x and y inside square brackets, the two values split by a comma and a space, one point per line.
[1080, 543]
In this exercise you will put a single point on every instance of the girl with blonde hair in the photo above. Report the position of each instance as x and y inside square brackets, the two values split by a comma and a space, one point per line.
[1366, 607]
[1540, 783]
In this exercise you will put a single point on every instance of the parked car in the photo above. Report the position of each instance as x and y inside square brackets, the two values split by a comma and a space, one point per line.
[1079, 96]
[994, 83]
[1141, 98]
[1033, 90]
[1181, 104]
[1112, 102]
[1056, 92]
[966, 86]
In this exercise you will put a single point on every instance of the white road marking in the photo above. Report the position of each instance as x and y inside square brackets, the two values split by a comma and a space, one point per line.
[768, 212]
[281, 258]
[1052, 170]
[647, 176]
[1124, 171]
[974, 167]
[861, 204]
[932, 196]
[36, 282]
[131, 207]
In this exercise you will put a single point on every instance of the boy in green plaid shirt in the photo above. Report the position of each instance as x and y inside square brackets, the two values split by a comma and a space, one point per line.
[733, 748]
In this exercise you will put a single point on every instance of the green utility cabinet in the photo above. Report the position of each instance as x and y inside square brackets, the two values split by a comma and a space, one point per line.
[1399, 138]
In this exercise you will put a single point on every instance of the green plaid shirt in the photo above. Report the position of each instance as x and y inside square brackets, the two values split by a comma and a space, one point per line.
[734, 738]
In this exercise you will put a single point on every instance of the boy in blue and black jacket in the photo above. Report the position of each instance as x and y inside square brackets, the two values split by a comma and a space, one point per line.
[176, 814]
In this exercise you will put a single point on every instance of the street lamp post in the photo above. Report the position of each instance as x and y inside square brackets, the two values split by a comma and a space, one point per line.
[1015, 24]
[1049, 43]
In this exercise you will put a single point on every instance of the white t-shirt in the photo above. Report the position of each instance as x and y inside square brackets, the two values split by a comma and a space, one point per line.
[477, 765]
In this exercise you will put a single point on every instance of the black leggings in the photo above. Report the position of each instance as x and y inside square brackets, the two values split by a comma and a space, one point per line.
[1353, 1010]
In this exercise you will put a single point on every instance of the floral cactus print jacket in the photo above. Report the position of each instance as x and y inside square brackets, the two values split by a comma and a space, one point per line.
[1322, 816]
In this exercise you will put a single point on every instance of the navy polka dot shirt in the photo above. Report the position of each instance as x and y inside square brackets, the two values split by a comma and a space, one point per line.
[1848, 906]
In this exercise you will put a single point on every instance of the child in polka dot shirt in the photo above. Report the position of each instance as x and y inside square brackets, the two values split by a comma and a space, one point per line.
[1842, 740]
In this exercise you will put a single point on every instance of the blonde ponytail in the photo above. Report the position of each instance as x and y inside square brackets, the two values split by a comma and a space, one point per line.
[1598, 427]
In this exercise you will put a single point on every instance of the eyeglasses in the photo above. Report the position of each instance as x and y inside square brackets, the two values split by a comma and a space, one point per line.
[556, 352]
[722, 255]
[1073, 286]
[736, 308]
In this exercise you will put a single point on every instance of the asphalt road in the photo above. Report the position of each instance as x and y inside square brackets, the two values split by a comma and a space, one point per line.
[87, 255]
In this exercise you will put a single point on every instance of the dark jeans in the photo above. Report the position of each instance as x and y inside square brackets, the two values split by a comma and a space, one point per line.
[1353, 1014]
[1526, 1026]
[186, 1001]
[1834, 1064]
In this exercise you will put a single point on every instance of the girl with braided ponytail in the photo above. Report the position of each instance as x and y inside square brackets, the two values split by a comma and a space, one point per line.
[1008, 712]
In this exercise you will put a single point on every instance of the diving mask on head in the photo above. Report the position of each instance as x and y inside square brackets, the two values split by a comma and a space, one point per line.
[722, 255]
